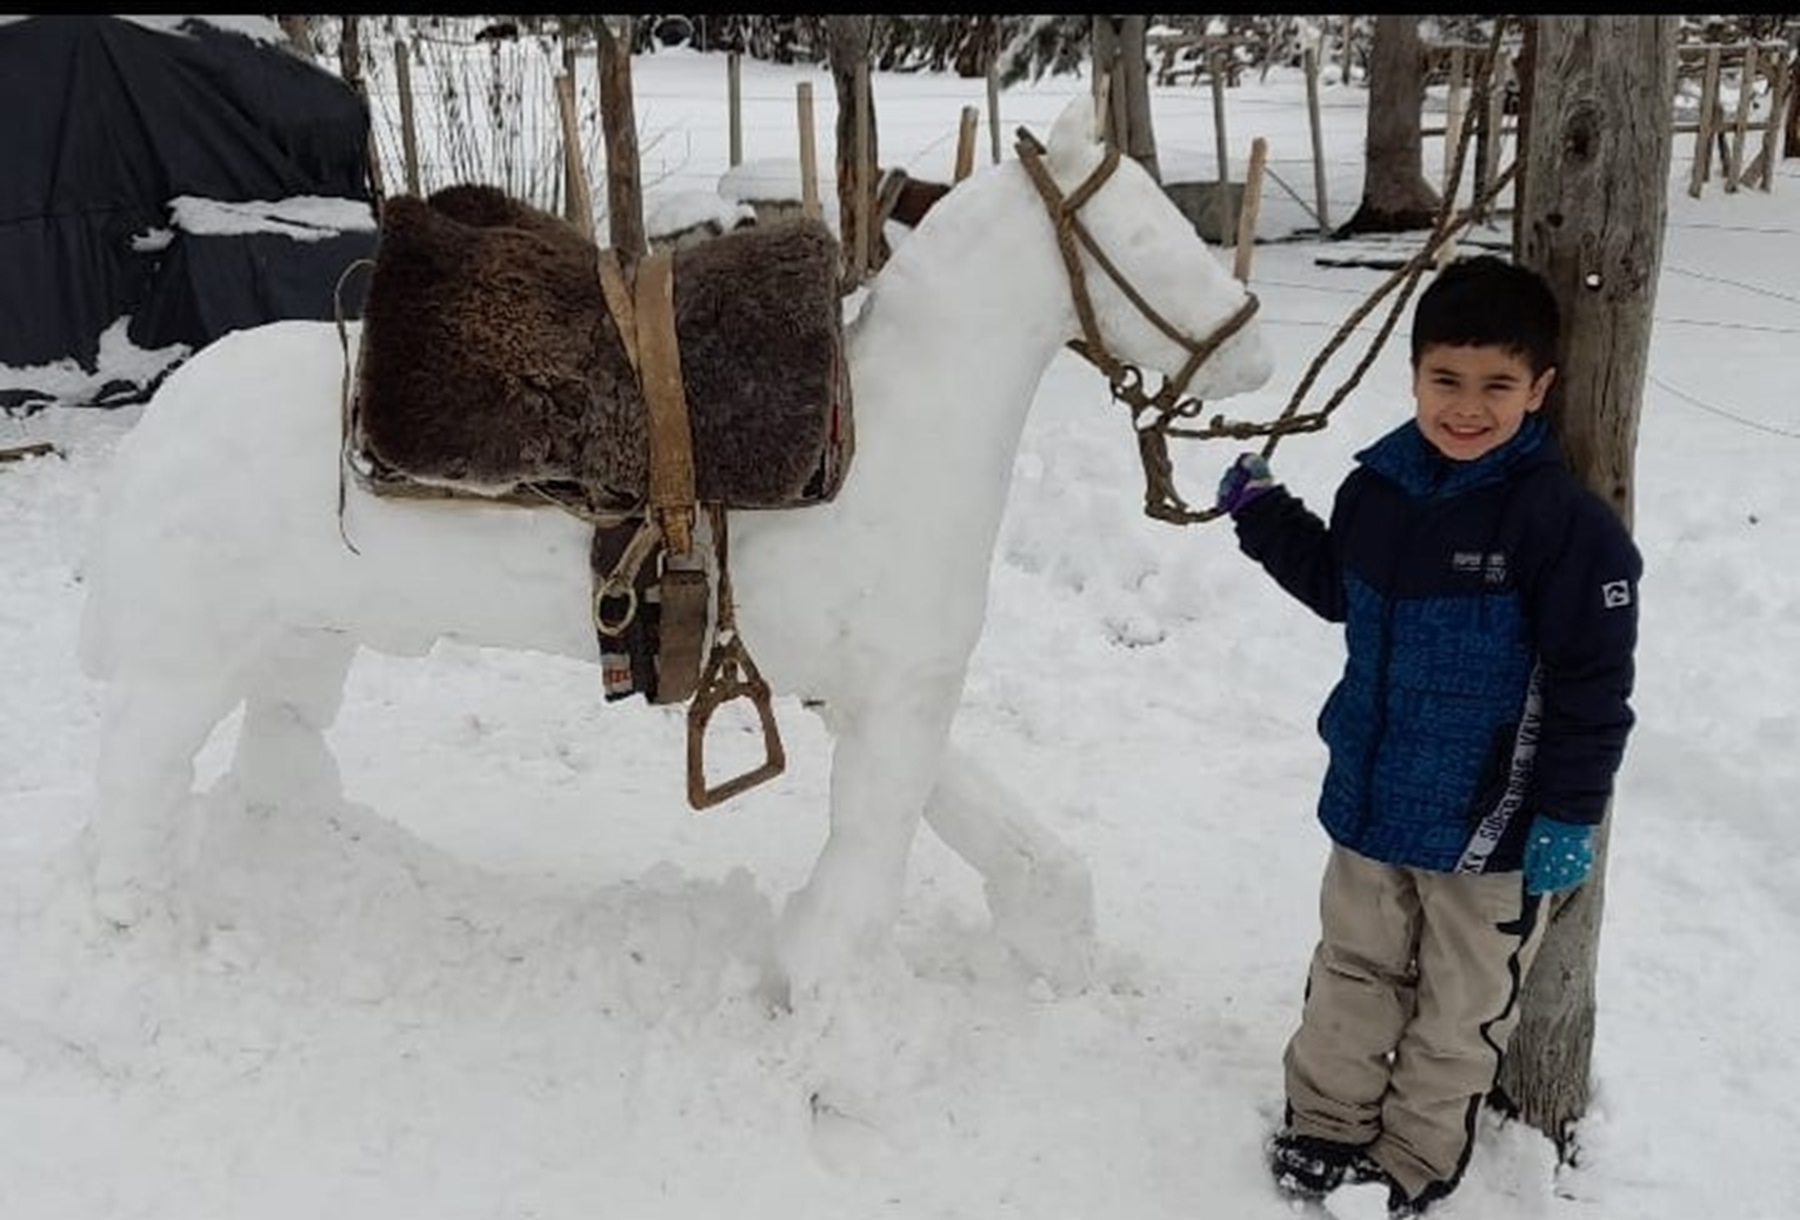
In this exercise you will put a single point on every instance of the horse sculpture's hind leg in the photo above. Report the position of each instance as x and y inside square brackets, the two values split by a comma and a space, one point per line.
[292, 697]
[151, 730]
[1038, 891]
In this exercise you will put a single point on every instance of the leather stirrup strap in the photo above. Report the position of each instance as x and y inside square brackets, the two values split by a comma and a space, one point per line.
[659, 372]
[644, 313]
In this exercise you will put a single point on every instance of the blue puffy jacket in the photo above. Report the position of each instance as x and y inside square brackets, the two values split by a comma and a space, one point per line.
[1490, 615]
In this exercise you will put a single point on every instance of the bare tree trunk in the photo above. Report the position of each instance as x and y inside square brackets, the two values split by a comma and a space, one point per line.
[618, 125]
[1592, 212]
[1119, 55]
[848, 40]
[1396, 196]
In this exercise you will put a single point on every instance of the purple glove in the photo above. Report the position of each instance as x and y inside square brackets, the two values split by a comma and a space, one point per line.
[1245, 479]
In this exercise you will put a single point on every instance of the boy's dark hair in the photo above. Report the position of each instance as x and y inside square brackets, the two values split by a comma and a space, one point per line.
[1485, 301]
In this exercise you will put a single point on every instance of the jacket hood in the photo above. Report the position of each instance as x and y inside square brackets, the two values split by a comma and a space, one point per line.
[1405, 457]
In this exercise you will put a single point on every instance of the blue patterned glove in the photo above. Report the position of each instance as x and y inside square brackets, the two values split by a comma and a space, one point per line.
[1558, 855]
[1245, 479]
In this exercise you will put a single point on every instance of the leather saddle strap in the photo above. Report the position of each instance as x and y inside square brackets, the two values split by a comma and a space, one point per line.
[618, 303]
[645, 316]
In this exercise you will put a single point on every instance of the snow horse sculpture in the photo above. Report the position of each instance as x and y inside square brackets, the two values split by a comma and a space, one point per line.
[240, 589]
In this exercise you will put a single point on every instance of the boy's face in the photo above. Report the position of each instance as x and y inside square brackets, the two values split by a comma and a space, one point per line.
[1472, 399]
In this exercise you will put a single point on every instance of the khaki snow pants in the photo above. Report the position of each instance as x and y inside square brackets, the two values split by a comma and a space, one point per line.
[1411, 999]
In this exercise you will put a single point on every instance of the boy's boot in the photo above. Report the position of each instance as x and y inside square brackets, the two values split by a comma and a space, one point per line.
[1308, 1167]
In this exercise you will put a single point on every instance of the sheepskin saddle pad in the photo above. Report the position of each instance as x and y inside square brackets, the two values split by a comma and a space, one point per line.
[490, 363]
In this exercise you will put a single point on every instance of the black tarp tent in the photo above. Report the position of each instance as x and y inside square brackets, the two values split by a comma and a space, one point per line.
[108, 121]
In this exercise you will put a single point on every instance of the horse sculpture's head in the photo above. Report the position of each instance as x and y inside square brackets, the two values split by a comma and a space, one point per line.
[1189, 315]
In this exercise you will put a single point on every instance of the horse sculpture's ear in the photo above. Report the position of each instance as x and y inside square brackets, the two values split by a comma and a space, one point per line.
[1075, 132]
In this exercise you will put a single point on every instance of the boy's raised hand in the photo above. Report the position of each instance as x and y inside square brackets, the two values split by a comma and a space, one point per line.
[1558, 855]
[1244, 480]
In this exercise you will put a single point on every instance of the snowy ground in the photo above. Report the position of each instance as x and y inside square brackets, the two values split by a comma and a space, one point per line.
[514, 977]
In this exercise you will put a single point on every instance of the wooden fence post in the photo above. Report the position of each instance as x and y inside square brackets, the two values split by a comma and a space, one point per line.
[1709, 101]
[1740, 127]
[1778, 96]
[965, 142]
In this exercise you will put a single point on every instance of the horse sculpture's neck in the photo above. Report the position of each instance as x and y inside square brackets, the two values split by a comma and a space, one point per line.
[945, 360]
[955, 336]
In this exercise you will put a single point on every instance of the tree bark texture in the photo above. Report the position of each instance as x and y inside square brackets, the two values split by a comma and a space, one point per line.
[1120, 51]
[618, 126]
[848, 40]
[1592, 212]
[1396, 197]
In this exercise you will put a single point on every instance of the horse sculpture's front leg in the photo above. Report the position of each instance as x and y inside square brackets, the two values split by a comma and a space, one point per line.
[883, 767]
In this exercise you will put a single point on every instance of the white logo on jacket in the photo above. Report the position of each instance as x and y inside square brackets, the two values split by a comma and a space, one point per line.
[1615, 593]
[1491, 566]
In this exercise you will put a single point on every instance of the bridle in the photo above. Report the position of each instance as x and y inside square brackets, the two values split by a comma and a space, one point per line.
[1152, 415]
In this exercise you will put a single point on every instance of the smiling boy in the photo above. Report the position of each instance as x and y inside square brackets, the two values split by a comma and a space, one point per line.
[1489, 603]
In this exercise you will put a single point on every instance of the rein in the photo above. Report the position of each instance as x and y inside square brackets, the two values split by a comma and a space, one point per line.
[1152, 415]
[1158, 417]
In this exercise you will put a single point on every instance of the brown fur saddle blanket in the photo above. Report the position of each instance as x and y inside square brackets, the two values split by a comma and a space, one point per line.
[490, 362]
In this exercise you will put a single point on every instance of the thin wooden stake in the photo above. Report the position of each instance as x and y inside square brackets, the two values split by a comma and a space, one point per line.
[993, 103]
[1246, 226]
[1491, 133]
[1216, 70]
[865, 173]
[578, 202]
[809, 152]
[409, 132]
[1318, 137]
[965, 142]
[734, 104]
[1453, 110]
